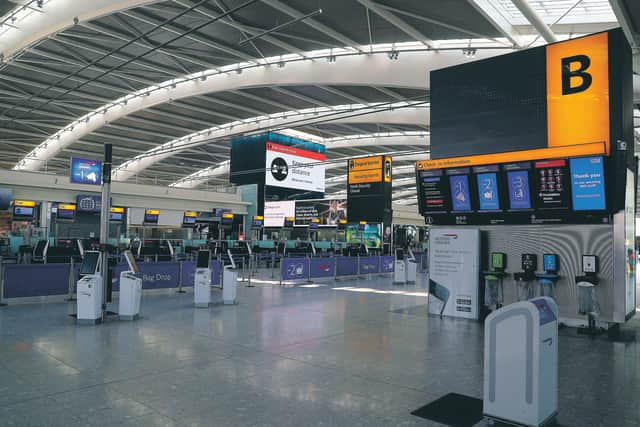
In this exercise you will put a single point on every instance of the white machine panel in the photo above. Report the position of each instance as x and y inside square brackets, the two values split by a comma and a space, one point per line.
[89, 298]
[130, 296]
[229, 283]
[521, 363]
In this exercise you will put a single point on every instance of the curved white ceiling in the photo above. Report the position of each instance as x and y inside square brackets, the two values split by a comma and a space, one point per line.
[410, 70]
[55, 16]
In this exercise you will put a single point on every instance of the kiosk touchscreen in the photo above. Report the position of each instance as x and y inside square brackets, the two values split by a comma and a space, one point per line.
[202, 279]
[130, 290]
[89, 289]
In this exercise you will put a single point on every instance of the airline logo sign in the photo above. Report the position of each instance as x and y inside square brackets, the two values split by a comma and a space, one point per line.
[293, 168]
[578, 91]
[577, 80]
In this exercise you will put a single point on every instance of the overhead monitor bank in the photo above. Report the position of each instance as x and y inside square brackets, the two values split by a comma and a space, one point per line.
[535, 150]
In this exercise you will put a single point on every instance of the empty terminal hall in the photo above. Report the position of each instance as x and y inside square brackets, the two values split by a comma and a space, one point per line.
[323, 213]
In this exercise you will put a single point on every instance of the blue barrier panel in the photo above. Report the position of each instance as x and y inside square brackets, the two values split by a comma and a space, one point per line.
[189, 271]
[295, 268]
[322, 267]
[369, 264]
[387, 264]
[160, 275]
[347, 266]
[33, 280]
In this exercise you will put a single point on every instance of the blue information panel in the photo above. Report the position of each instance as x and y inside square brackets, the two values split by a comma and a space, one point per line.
[519, 194]
[488, 192]
[85, 171]
[460, 193]
[587, 184]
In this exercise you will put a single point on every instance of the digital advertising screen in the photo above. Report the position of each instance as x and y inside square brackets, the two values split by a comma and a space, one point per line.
[460, 192]
[276, 212]
[151, 216]
[488, 192]
[66, 211]
[294, 168]
[85, 171]
[518, 185]
[329, 212]
[551, 183]
[587, 184]
[434, 191]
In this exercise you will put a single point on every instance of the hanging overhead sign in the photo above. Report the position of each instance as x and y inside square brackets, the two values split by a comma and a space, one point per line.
[294, 168]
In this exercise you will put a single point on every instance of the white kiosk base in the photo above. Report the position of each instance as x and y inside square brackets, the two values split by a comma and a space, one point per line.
[130, 296]
[229, 284]
[521, 363]
[202, 288]
[89, 299]
[399, 272]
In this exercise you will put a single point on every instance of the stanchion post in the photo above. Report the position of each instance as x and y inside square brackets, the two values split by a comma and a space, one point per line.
[335, 267]
[180, 290]
[281, 270]
[358, 257]
[273, 264]
[249, 285]
[72, 276]
[156, 258]
[2, 303]
[309, 269]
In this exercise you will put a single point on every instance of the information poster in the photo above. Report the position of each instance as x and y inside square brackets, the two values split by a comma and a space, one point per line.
[587, 184]
[454, 271]
[460, 194]
[551, 184]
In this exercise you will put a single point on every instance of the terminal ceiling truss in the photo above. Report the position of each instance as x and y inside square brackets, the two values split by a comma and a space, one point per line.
[61, 80]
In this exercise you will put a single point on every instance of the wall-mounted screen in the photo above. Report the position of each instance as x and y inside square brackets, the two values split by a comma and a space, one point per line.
[587, 184]
[551, 184]
[289, 221]
[151, 216]
[257, 221]
[116, 214]
[460, 192]
[189, 218]
[66, 211]
[227, 218]
[85, 171]
[23, 213]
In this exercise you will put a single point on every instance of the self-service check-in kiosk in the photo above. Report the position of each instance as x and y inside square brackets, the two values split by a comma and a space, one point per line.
[521, 363]
[412, 267]
[525, 278]
[229, 281]
[400, 268]
[202, 280]
[493, 278]
[587, 301]
[89, 289]
[130, 290]
[547, 280]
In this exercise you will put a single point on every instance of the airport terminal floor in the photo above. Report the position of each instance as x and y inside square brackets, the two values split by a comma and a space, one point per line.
[359, 352]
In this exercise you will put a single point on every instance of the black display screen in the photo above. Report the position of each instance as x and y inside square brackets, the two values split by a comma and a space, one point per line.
[89, 263]
[66, 214]
[551, 179]
[288, 222]
[150, 218]
[434, 191]
[188, 220]
[116, 217]
[204, 258]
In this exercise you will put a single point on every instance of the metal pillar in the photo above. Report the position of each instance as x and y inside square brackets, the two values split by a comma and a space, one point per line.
[104, 223]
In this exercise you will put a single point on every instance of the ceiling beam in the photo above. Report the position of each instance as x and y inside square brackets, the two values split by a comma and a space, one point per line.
[488, 9]
[535, 20]
[398, 22]
[313, 23]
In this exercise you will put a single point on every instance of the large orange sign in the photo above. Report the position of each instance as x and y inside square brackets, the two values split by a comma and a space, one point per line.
[578, 91]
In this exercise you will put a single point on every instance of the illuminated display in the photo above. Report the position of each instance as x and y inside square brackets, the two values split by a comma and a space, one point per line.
[587, 184]
[460, 194]
[151, 216]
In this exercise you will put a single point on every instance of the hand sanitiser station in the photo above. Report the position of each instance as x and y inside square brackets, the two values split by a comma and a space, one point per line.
[229, 281]
[202, 280]
[521, 363]
[89, 289]
[130, 290]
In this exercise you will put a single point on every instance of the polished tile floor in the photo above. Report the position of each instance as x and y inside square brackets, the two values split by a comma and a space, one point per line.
[294, 356]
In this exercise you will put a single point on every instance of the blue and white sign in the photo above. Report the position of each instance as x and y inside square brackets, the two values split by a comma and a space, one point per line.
[519, 195]
[460, 193]
[85, 171]
[387, 264]
[369, 264]
[322, 267]
[488, 192]
[89, 203]
[295, 268]
[587, 184]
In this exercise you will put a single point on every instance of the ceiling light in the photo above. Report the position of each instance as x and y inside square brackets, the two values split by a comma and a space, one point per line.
[393, 55]
[470, 52]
